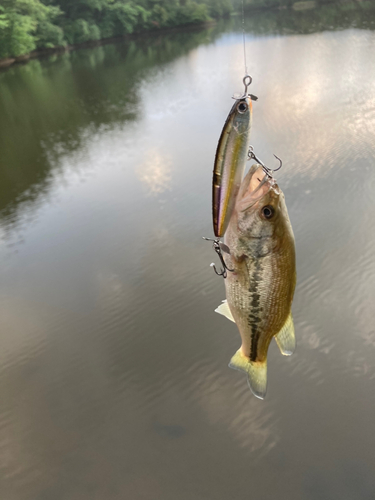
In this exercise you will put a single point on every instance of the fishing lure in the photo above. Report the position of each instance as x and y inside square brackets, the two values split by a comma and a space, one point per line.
[230, 160]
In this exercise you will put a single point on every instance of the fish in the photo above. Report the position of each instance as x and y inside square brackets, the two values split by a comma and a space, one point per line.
[230, 161]
[260, 249]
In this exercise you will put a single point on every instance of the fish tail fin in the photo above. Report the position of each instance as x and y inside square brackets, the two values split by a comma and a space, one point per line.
[256, 372]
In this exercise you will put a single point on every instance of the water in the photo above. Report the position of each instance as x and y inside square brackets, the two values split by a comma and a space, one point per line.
[114, 381]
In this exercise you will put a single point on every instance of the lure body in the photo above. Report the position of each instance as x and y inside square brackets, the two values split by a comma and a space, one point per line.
[230, 161]
[260, 290]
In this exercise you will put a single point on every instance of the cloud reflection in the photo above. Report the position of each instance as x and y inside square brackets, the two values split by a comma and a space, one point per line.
[155, 172]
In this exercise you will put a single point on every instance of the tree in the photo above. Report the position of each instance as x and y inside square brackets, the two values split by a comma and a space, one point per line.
[26, 25]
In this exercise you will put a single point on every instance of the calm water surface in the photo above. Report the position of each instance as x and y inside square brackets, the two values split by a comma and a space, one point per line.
[114, 381]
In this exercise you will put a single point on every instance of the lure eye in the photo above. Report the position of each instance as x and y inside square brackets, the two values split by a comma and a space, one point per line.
[268, 212]
[242, 107]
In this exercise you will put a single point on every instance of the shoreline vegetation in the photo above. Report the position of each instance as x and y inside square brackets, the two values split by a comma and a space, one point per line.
[33, 28]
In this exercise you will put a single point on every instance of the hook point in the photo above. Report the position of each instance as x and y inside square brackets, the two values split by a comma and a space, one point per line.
[281, 163]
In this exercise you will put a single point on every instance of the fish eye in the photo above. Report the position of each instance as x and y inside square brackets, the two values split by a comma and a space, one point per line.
[268, 212]
[242, 107]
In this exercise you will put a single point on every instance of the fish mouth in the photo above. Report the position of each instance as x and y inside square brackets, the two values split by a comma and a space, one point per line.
[258, 184]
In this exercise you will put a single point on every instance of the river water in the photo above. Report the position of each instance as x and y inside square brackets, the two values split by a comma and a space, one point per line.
[113, 365]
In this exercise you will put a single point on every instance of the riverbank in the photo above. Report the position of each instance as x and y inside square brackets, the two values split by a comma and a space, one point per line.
[253, 8]
[9, 61]
[6, 62]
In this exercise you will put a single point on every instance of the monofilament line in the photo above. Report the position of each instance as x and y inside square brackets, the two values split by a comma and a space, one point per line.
[243, 36]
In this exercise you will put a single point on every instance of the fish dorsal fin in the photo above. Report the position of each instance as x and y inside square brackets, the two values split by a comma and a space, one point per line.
[256, 373]
[285, 339]
[223, 309]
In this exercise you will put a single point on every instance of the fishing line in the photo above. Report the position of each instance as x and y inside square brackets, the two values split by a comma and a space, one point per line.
[243, 37]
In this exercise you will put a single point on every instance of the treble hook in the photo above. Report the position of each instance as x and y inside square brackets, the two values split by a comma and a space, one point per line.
[251, 156]
[218, 246]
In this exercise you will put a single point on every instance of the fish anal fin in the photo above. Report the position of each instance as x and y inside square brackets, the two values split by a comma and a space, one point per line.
[256, 373]
[285, 339]
[223, 309]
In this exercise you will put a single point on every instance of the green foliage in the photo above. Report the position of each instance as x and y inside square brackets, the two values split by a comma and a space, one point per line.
[3, 19]
[21, 29]
[48, 35]
[192, 12]
[219, 8]
[16, 30]
[175, 14]
[125, 17]
[80, 31]
[26, 25]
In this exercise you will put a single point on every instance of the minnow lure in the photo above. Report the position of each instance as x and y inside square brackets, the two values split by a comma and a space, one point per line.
[230, 160]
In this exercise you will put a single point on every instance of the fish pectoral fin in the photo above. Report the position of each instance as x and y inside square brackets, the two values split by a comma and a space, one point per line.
[256, 373]
[223, 309]
[285, 339]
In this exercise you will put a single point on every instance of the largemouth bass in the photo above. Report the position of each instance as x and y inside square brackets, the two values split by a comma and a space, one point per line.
[260, 290]
[230, 161]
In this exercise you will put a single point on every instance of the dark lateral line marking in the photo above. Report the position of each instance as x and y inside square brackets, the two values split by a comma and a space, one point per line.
[253, 319]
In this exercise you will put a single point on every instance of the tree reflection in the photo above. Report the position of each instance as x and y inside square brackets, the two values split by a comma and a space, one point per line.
[48, 106]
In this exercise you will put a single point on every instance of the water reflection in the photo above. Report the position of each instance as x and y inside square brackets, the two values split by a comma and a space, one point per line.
[49, 107]
[155, 172]
[226, 404]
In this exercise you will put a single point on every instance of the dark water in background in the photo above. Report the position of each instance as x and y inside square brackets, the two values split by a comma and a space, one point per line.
[114, 381]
